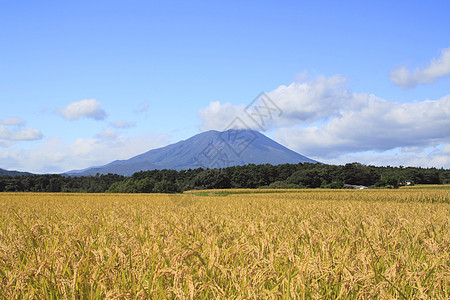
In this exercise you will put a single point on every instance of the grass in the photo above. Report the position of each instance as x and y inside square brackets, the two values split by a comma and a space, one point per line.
[318, 244]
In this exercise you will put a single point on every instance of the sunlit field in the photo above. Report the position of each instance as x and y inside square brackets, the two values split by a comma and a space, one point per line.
[319, 244]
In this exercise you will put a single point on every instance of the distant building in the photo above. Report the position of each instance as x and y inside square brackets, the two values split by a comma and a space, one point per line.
[407, 183]
[355, 187]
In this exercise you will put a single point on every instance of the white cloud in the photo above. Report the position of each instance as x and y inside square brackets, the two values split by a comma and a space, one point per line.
[56, 156]
[426, 159]
[324, 120]
[8, 136]
[11, 121]
[446, 149]
[87, 108]
[406, 79]
[379, 125]
[29, 134]
[121, 124]
[219, 116]
[299, 103]
[307, 102]
[108, 134]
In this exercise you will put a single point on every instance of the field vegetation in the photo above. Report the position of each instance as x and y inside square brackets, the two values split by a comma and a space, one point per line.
[293, 176]
[290, 244]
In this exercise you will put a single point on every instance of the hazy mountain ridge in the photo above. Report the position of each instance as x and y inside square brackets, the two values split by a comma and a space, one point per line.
[210, 149]
[4, 172]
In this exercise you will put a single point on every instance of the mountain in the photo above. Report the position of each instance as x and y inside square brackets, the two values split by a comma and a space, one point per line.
[210, 149]
[12, 173]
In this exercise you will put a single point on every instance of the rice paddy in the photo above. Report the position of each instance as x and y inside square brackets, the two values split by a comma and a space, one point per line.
[240, 244]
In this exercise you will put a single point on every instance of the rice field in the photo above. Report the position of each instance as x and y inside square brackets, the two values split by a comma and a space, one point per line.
[240, 244]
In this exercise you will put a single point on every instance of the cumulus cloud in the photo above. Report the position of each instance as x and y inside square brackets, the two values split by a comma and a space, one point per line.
[11, 131]
[56, 156]
[29, 134]
[446, 149]
[298, 103]
[427, 158]
[378, 125]
[13, 121]
[437, 68]
[108, 134]
[87, 108]
[121, 124]
[219, 116]
[318, 99]
[323, 119]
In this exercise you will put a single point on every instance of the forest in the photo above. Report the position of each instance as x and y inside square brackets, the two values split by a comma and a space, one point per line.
[302, 175]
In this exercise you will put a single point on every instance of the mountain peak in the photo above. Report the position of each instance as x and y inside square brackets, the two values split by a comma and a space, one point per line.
[209, 149]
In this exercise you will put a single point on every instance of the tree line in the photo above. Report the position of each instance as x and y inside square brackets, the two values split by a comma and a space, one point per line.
[302, 175]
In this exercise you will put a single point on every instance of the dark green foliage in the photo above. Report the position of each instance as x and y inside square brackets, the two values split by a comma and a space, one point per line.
[308, 178]
[359, 174]
[165, 186]
[302, 175]
[58, 183]
[333, 185]
[391, 181]
[212, 179]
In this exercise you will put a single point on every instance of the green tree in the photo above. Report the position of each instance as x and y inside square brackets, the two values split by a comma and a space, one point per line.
[309, 178]
[212, 179]
[164, 186]
[145, 185]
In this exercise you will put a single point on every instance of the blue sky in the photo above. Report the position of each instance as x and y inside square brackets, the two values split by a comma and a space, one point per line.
[87, 82]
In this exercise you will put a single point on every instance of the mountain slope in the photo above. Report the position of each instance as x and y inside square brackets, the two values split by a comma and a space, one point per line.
[211, 149]
[4, 172]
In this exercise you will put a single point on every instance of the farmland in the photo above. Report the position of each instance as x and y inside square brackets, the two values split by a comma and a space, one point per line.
[255, 244]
